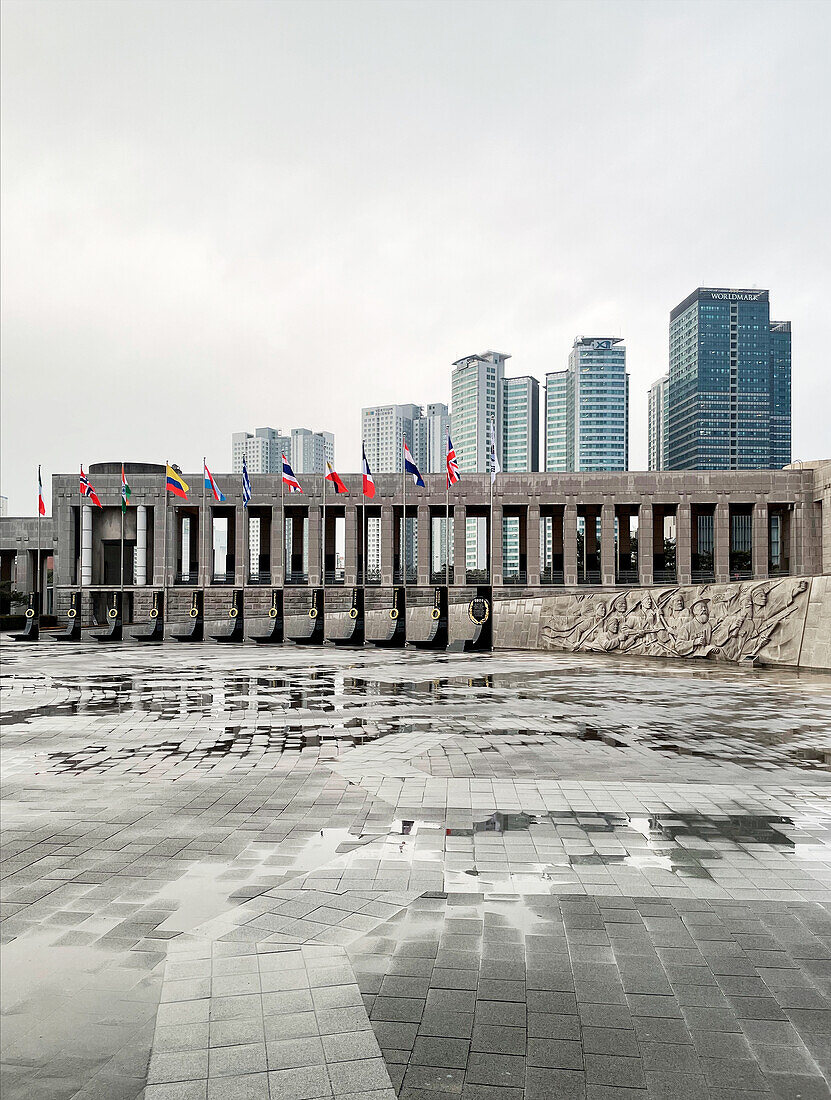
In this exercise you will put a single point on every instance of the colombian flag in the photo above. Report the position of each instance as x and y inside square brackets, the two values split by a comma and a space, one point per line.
[176, 484]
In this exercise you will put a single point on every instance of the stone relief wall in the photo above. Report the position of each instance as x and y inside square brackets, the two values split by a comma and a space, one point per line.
[722, 622]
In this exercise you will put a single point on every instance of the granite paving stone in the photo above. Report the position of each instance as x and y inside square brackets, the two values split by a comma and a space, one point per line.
[367, 874]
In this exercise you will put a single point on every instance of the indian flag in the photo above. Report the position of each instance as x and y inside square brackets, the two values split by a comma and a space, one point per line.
[125, 490]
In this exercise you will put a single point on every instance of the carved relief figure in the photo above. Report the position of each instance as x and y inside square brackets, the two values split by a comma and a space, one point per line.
[721, 622]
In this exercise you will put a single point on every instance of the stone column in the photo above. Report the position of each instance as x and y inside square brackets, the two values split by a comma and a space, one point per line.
[86, 544]
[459, 548]
[607, 544]
[683, 542]
[240, 547]
[423, 543]
[350, 543]
[570, 544]
[495, 566]
[387, 542]
[798, 538]
[278, 546]
[760, 535]
[721, 541]
[645, 544]
[532, 544]
[315, 536]
[141, 546]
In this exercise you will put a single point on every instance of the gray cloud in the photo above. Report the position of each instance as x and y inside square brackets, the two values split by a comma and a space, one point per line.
[218, 216]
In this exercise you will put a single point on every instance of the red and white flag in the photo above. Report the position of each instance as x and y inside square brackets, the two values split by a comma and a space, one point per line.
[289, 478]
[41, 505]
[334, 477]
[452, 464]
[88, 491]
[369, 484]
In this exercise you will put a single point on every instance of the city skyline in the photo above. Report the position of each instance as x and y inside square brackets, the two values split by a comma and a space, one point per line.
[206, 217]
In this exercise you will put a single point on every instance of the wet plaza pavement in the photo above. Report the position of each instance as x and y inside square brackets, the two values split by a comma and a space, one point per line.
[296, 874]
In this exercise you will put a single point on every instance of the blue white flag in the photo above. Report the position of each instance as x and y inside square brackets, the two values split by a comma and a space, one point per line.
[411, 468]
[246, 484]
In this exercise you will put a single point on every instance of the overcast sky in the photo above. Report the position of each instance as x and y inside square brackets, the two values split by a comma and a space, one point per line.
[223, 216]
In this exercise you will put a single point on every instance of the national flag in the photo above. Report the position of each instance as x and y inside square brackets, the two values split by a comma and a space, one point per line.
[88, 491]
[411, 468]
[334, 478]
[212, 485]
[369, 484]
[246, 484]
[495, 467]
[289, 478]
[176, 483]
[452, 464]
[41, 505]
[125, 490]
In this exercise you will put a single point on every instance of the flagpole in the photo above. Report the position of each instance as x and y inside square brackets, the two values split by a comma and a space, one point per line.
[121, 578]
[446, 528]
[203, 538]
[81, 561]
[282, 519]
[37, 571]
[404, 529]
[323, 536]
[490, 518]
[164, 544]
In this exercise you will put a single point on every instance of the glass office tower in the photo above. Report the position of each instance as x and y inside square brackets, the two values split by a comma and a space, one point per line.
[729, 403]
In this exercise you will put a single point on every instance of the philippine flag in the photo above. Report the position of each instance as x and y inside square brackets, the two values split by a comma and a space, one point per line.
[289, 478]
[411, 468]
[210, 484]
[333, 476]
[369, 484]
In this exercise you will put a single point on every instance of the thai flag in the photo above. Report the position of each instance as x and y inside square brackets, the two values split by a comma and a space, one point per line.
[246, 484]
[216, 492]
[41, 505]
[289, 478]
[452, 464]
[88, 491]
[411, 468]
[369, 484]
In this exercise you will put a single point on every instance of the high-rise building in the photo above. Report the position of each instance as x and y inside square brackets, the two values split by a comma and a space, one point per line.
[311, 450]
[521, 424]
[476, 403]
[384, 428]
[262, 450]
[656, 422]
[4, 506]
[556, 421]
[729, 405]
[430, 431]
[307, 451]
[587, 408]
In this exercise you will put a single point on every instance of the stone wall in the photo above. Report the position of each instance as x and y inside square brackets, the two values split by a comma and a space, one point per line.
[779, 622]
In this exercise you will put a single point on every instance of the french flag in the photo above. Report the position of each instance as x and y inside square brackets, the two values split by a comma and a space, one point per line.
[216, 492]
[411, 468]
[369, 484]
[289, 478]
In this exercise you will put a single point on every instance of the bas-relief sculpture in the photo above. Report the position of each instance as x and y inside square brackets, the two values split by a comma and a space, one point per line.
[722, 622]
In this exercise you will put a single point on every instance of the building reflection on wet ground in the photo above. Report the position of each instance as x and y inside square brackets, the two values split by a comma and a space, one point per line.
[501, 876]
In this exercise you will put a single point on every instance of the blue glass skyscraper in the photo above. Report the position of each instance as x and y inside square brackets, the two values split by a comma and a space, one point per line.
[729, 390]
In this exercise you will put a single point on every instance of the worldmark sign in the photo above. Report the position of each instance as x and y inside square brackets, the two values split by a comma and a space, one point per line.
[737, 295]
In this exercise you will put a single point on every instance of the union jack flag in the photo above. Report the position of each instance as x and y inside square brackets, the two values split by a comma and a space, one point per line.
[452, 464]
[88, 491]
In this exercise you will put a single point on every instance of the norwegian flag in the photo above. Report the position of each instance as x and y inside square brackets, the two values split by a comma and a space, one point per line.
[452, 464]
[289, 478]
[369, 484]
[88, 491]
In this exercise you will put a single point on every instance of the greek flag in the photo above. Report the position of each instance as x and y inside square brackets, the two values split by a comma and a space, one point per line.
[246, 484]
